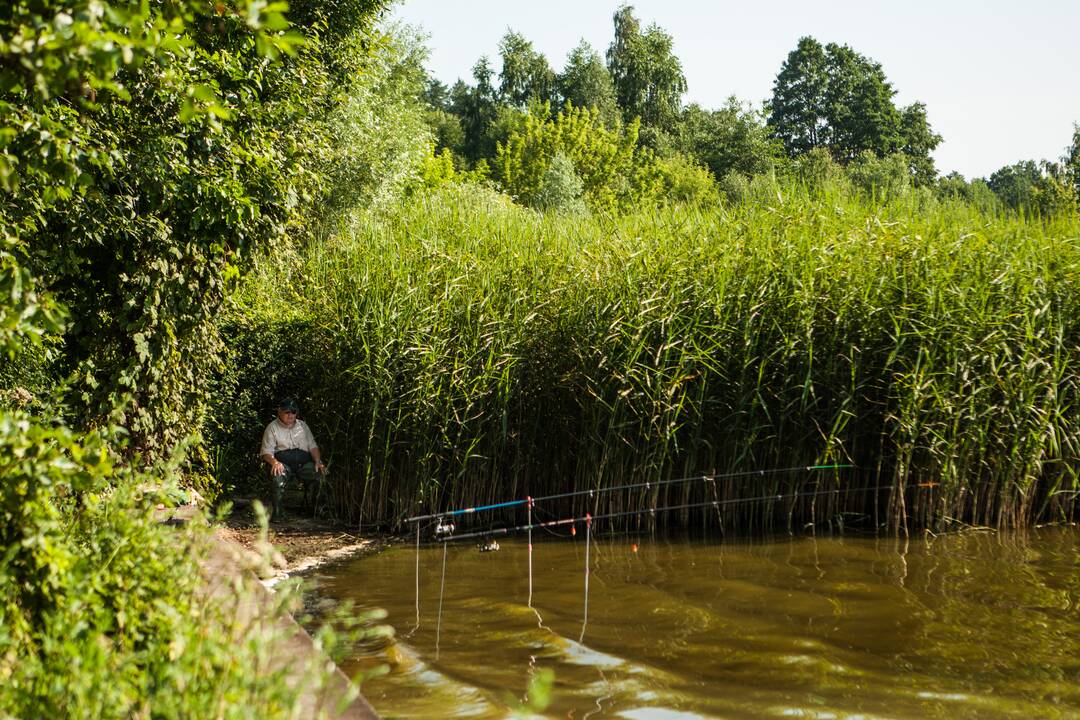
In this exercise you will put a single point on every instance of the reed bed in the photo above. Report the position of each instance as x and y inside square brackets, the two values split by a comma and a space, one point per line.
[462, 351]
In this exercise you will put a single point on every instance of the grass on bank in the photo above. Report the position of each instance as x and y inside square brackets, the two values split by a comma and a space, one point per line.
[105, 612]
[462, 350]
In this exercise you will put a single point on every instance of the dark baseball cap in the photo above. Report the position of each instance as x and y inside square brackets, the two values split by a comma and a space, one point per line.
[288, 404]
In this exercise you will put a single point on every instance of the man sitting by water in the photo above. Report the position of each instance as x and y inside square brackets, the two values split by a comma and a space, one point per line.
[289, 448]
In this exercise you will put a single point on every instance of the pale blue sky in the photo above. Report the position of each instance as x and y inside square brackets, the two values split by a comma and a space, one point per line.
[1000, 78]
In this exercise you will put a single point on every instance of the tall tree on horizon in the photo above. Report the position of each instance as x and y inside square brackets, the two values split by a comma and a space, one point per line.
[798, 110]
[526, 75]
[859, 106]
[586, 83]
[477, 107]
[834, 98]
[648, 77]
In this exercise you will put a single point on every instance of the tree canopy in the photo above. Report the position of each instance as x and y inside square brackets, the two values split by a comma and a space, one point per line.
[1071, 161]
[832, 97]
[476, 106]
[1039, 188]
[586, 83]
[648, 77]
[146, 152]
[526, 75]
[731, 139]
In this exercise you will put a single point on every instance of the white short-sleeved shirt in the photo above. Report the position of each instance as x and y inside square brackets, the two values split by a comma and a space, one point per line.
[278, 437]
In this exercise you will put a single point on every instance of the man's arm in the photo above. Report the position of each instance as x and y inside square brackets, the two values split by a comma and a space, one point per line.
[267, 455]
[317, 457]
[316, 454]
[275, 467]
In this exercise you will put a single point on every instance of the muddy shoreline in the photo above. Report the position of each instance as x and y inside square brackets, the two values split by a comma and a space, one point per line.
[300, 542]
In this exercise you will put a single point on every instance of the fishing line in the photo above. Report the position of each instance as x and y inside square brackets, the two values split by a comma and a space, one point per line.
[418, 575]
[588, 543]
[633, 486]
[652, 511]
[530, 551]
[417, 626]
[442, 585]
[716, 497]
[545, 526]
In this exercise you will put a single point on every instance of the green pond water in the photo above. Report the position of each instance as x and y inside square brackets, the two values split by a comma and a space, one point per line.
[971, 625]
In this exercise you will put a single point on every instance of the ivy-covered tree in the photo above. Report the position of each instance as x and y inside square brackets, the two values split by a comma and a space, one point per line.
[145, 152]
[648, 77]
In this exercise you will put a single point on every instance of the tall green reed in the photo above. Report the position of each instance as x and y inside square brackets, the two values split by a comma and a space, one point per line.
[469, 350]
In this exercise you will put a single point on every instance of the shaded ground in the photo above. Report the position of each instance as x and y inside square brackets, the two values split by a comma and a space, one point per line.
[301, 541]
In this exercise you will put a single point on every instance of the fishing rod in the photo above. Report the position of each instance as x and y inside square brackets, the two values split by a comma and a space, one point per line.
[647, 485]
[588, 519]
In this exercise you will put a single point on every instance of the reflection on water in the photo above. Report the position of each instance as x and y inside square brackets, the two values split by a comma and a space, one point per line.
[970, 625]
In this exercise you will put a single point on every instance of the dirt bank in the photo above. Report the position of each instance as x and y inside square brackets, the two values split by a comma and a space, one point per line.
[301, 542]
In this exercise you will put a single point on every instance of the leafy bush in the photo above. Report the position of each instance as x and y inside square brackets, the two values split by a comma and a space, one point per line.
[103, 611]
[735, 186]
[616, 174]
[687, 181]
[437, 169]
[817, 171]
[975, 193]
[561, 189]
[883, 179]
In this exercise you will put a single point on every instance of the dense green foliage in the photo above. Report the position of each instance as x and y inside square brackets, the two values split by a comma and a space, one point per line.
[832, 97]
[1071, 161]
[690, 297]
[147, 150]
[586, 83]
[615, 173]
[826, 99]
[526, 75]
[103, 613]
[469, 351]
[1030, 187]
[732, 139]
